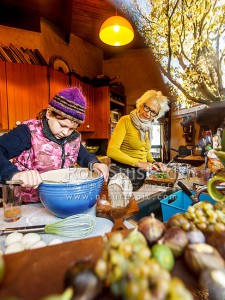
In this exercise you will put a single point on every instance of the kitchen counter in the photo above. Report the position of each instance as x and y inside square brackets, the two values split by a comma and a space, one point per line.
[193, 160]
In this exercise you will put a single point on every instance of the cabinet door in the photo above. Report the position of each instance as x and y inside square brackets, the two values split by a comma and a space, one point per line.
[88, 92]
[4, 121]
[101, 112]
[58, 81]
[27, 91]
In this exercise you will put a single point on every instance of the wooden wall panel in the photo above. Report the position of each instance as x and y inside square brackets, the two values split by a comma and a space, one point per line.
[27, 90]
[4, 122]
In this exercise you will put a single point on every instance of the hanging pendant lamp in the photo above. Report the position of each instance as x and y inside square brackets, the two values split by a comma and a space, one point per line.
[116, 31]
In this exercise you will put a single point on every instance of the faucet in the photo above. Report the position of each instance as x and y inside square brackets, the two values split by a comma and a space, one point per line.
[203, 189]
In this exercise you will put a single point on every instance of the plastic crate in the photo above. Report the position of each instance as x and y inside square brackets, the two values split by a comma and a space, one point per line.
[179, 203]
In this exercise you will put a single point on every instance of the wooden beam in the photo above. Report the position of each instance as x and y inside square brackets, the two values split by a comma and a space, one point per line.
[67, 14]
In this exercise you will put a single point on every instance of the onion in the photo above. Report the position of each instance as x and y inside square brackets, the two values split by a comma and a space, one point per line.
[82, 278]
[175, 238]
[195, 237]
[151, 228]
[213, 281]
[202, 256]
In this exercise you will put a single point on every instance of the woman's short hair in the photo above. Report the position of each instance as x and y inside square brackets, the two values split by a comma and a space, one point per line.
[154, 97]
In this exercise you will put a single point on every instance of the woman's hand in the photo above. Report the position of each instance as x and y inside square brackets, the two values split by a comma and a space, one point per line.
[103, 168]
[161, 166]
[29, 178]
[148, 166]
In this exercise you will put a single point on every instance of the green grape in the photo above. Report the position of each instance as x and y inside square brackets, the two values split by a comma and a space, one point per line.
[115, 240]
[199, 212]
[186, 226]
[125, 248]
[144, 254]
[201, 226]
[201, 219]
[101, 268]
[132, 290]
[117, 273]
[219, 227]
[136, 237]
[116, 258]
[191, 209]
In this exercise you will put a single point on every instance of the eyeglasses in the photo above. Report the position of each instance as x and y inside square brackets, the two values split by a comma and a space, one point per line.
[148, 109]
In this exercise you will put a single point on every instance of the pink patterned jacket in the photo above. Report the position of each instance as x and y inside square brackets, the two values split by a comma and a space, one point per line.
[44, 155]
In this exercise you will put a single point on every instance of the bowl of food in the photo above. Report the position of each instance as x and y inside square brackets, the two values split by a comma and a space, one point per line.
[92, 149]
[70, 191]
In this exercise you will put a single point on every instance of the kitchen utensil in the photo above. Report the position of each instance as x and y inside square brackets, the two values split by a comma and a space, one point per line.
[116, 214]
[19, 182]
[197, 151]
[213, 190]
[174, 158]
[183, 151]
[187, 192]
[74, 226]
[74, 197]
[92, 149]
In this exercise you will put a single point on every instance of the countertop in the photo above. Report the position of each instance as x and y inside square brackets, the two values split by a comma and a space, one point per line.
[37, 214]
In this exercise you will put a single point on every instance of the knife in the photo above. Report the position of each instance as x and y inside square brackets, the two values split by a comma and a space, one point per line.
[23, 229]
[187, 192]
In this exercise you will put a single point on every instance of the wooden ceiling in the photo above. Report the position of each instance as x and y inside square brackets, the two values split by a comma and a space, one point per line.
[83, 18]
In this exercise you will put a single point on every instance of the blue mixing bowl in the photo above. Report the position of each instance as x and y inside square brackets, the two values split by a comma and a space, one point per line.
[66, 199]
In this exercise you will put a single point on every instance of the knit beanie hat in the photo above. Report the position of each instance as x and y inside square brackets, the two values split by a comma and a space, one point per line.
[70, 103]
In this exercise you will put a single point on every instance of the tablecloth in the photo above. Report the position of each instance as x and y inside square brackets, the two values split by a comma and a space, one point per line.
[37, 214]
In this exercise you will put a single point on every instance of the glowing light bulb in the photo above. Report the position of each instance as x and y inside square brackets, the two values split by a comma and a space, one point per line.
[116, 28]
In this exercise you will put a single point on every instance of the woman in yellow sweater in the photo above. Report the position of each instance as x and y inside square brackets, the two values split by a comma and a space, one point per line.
[129, 146]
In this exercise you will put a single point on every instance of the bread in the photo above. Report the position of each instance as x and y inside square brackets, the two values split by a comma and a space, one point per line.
[120, 190]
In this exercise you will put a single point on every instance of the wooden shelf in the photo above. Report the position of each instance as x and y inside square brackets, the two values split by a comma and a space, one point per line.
[117, 102]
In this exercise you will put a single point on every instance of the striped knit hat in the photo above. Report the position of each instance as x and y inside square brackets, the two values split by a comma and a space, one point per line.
[70, 103]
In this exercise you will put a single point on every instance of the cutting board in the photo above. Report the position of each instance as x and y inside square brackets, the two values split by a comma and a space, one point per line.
[33, 274]
[152, 179]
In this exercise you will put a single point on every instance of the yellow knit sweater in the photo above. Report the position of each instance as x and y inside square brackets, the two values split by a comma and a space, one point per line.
[125, 145]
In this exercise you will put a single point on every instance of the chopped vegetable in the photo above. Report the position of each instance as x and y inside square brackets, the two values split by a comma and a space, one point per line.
[161, 175]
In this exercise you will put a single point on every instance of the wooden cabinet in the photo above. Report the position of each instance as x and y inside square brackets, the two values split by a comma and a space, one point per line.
[102, 113]
[57, 81]
[3, 97]
[105, 100]
[26, 89]
[27, 92]
[88, 91]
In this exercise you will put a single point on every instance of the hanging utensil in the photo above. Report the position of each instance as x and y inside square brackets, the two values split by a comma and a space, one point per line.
[185, 189]
[175, 157]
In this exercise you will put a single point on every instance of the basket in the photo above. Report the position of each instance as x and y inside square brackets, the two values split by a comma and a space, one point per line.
[178, 203]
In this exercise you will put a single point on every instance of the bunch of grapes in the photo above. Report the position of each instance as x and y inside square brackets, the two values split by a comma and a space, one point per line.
[203, 216]
[126, 267]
